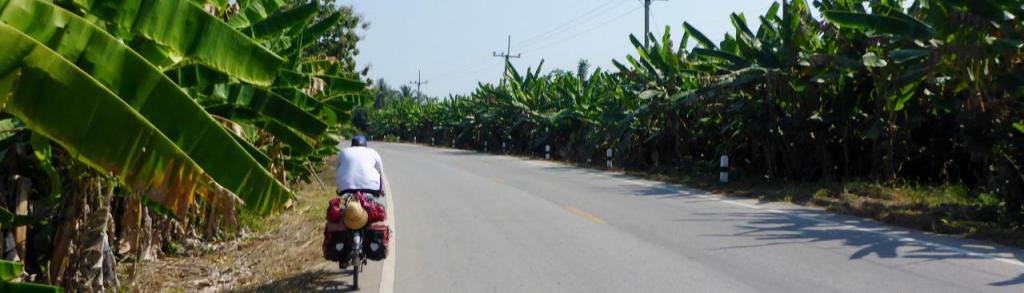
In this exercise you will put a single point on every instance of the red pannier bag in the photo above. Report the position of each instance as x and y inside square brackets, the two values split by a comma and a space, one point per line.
[375, 212]
[334, 213]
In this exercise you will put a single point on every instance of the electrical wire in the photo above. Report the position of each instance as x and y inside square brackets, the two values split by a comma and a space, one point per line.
[585, 16]
[545, 45]
[567, 31]
[545, 41]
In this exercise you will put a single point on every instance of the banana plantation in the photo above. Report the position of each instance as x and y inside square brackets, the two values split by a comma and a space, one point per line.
[922, 92]
[130, 126]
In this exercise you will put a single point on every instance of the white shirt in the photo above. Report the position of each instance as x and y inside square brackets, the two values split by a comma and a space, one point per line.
[359, 168]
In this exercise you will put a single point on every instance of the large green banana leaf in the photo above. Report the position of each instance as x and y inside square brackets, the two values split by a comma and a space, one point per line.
[186, 29]
[275, 107]
[880, 23]
[291, 138]
[294, 140]
[150, 93]
[333, 85]
[282, 20]
[56, 99]
[313, 32]
[254, 10]
[699, 36]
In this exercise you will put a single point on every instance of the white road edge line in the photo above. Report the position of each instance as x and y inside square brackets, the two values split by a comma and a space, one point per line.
[387, 276]
[675, 188]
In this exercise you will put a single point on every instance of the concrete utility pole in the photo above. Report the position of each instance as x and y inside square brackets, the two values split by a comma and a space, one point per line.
[507, 54]
[647, 22]
[419, 82]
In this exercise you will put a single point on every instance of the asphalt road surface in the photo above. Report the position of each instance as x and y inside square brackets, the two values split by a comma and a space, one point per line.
[470, 222]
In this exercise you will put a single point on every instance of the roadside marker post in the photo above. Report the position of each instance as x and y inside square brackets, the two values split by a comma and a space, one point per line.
[431, 141]
[547, 152]
[485, 146]
[723, 175]
[503, 147]
[608, 156]
[413, 139]
[453, 143]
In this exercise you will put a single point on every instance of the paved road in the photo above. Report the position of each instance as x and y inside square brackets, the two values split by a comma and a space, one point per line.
[469, 222]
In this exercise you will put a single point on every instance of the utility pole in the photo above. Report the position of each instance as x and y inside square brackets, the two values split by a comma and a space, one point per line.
[419, 81]
[507, 54]
[647, 22]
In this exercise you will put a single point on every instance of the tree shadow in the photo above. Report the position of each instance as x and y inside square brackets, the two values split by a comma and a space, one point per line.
[650, 189]
[1019, 280]
[324, 281]
[871, 238]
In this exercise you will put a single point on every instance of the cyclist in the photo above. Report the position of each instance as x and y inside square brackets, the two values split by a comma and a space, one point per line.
[360, 169]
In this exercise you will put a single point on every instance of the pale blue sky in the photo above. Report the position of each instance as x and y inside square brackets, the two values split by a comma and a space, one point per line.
[451, 41]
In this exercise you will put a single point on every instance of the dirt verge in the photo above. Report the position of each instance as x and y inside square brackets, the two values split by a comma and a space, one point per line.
[285, 246]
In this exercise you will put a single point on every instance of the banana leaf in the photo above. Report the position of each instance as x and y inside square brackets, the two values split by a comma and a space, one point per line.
[150, 93]
[737, 61]
[254, 11]
[188, 31]
[282, 20]
[27, 288]
[57, 100]
[699, 36]
[880, 24]
[10, 270]
[294, 140]
[271, 105]
[314, 31]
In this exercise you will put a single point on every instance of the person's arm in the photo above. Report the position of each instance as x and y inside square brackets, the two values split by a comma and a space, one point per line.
[379, 165]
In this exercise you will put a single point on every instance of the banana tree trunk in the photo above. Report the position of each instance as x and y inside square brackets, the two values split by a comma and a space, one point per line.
[71, 210]
[94, 258]
[23, 186]
[131, 221]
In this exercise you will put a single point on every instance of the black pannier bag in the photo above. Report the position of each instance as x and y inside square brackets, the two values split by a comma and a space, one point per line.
[375, 244]
[337, 245]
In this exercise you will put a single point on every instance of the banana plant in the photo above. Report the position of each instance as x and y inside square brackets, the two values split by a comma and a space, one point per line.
[125, 90]
[925, 90]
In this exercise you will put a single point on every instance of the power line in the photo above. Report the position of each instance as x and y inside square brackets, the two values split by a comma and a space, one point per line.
[579, 24]
[585, 16]
[552, 32]
[477, 65]
[472, 64]
[547, 44]
[582, 33]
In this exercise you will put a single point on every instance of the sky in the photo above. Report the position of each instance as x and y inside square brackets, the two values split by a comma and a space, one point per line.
[452, 41]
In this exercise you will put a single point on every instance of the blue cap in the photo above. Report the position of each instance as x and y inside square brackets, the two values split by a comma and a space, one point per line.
[359, 140]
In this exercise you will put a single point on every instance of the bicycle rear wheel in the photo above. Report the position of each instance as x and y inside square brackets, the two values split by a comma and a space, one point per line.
[355, 273]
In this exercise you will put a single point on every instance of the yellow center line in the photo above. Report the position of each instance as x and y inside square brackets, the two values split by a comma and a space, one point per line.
[585, 215]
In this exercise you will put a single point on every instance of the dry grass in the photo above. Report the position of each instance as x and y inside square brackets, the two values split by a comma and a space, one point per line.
[281, 246]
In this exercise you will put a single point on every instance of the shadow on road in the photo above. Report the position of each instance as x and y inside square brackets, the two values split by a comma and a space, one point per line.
[316, 281]
[1015, 281]
[652, 189]
[808, 226]
[870, 237]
